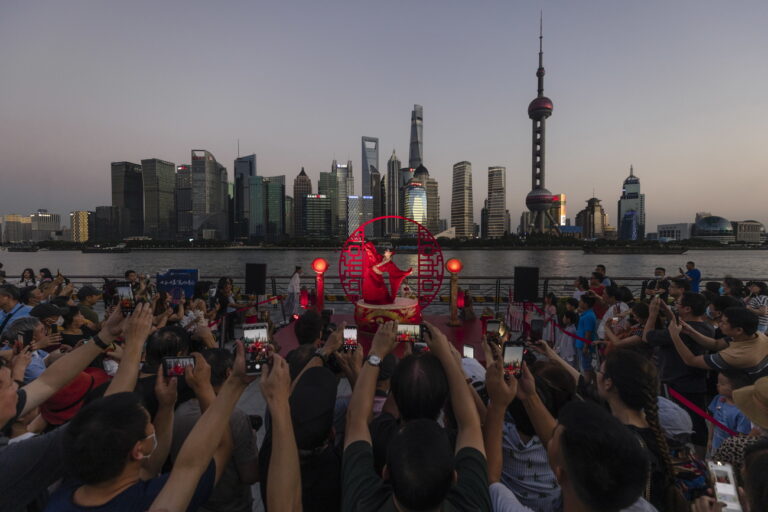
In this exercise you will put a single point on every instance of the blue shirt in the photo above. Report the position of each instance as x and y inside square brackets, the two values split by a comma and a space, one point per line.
[730, 416]
[587, 323]
[695, 276]
[18, 311]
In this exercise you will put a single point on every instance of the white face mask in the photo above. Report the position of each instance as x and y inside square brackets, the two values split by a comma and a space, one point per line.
[60, 321]
[154, 445]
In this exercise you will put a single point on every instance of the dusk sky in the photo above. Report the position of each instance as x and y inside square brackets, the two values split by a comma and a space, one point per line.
[678, 89]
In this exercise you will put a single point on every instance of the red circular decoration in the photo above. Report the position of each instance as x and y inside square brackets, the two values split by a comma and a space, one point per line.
[428, 272]
[319, 265]
[454, 265]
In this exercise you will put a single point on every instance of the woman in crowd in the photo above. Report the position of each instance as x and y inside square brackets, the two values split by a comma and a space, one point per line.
[73, 328]
[27, 278]
[757, 302]
[550, 317]
[732, 287]
[45, 275]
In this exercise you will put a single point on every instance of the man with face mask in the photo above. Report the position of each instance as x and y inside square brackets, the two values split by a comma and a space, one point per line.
[658, 285]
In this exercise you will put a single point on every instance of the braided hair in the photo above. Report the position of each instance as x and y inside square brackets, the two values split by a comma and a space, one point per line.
[637, 383]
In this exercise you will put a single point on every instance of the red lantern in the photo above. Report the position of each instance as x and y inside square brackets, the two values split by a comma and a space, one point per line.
[454, 265]
[304, 298]
[319, 265]
[460, 299]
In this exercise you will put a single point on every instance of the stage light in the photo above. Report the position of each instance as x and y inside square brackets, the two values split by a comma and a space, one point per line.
[454, 265]
[319, 265]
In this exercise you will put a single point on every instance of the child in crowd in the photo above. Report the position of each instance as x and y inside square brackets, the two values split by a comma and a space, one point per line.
[550, 317]
[725, 411]
[564, 345]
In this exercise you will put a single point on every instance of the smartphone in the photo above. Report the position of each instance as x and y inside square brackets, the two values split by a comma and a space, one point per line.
[26, 337]
[537, 329]
[175, 366]
[410, 333]
[419, 347]
[493, 327]
[256, 332]
[468, 352]
[725, 485]
[350, 339]
[513, 360]
[257, 354]
[125, 298]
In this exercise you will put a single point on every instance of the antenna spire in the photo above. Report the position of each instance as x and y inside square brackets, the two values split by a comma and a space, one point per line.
[540, 71]
[631, 170]
[238, 148]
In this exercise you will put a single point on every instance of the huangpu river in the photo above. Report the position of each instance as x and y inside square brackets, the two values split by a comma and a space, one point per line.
[714, 264]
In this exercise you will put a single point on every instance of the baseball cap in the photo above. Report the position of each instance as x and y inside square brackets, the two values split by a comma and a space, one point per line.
[62, 407]
[46, 310]
[87, 291]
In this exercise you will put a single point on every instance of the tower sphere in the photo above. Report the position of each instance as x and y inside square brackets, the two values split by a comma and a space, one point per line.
[539, 200]
[540, 107]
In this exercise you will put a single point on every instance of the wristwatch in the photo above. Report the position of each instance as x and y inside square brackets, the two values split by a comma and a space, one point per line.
[374, 360]
[319, 353]
[100, 343]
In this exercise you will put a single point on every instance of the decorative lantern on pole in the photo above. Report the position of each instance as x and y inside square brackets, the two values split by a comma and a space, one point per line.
[319, 265]
[454, 266]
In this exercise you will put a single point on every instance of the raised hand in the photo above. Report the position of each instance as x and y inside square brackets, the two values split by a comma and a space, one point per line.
[334, 341]
[276, 381]
[500, 390]
[384, 340]
[526, 385]
[437, 341]
[238, 368]
[138, 326]
[165, 389]
[199, 377]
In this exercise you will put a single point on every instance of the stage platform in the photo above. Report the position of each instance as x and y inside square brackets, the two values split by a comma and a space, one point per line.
[469, 333]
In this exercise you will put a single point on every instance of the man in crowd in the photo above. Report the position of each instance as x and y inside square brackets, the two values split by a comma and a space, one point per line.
[10, 307]
[692, 275]
[659, 285]
[87, 297]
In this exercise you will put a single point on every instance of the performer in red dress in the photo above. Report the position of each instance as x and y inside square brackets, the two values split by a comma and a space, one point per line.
[375, 290]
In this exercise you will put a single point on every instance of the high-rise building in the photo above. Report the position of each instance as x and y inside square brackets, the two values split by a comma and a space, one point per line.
[184, 229]
[159, 179]
[210, 192]
[392, 193]
[539, 199]
[128, 195]
[318, 208]
[328, 186]
[43, 225]
[370, 163]
[378, 203]
[416, 154]
[302, 187]
[415, 202]
[105, 224]
[497, 201]
[462, 214]
[290, 224]
[267, 197]
[525, 223]
[345, 186]
[359, 211]
[593, 220]
[245, 168]
[484, 220]
[421, 174]
[80, 223]
[631, 209]
[16, 229]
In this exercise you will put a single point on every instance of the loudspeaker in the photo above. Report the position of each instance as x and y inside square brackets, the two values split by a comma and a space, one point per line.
[256, 278]
[526, 284]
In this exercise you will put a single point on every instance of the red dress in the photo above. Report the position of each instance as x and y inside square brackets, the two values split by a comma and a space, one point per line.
[375, 290]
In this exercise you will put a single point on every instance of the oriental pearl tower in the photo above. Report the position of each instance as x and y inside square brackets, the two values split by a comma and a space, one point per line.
[539, 200]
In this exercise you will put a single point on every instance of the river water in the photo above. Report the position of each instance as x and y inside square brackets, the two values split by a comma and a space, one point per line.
[552, 263]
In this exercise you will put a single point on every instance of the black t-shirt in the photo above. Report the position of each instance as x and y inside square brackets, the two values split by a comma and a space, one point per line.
[72, 339]
[364, 491]
[672, 369]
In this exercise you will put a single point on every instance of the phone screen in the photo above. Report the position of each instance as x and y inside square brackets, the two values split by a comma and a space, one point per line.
[256, 356]
[513, 359]
[537, 329]
[468, 352]
[175, 366]
[125, 297]
[256, 332]
[493, 327]
[350, 339]
[725, 485]
[409, 333]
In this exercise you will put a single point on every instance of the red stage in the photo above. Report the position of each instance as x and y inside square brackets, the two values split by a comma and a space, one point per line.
[469, 333]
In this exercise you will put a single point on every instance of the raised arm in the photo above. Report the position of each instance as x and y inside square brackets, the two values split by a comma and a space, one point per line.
[470, 433]
[202, 443]
[501, 393]
[137, 328]
[361, 404]
[165, 390]
[284, 485]
[543, 347]
[683, 351]
[541, 419]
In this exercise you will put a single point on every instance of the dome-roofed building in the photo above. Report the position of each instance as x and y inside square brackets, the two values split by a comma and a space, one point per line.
[714, 228]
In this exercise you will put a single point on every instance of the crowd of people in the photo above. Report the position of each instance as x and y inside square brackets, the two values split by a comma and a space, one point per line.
[623, 404]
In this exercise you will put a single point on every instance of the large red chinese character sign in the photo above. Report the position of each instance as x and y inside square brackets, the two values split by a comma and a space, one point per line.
[371, 279]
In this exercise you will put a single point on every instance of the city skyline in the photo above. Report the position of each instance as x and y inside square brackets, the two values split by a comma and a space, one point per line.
[674, 90]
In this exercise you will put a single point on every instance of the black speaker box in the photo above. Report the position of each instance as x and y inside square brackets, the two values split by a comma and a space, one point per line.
[526, 284]
[256, 278]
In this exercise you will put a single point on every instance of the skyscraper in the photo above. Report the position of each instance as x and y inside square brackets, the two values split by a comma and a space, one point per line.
[359, 211]
[267, 198]
[128, 195]
[302, 187]
[80, 222]
[416, 154]
[105, 224]
[290, 224]
[497, 201]
[631, 212]
[539, 199]
[16, 228]
[245, 168]
[318, 207]
[209, 196]
[392, 193]
[415, 202]
[44, 224]
[378, 203]
[370, 162]
[345, 185]
[592, 220]
[328, 186]
[462, 215]
[159, 179]
[184, 229]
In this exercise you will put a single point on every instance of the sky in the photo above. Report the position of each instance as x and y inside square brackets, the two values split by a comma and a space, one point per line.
[677, 89]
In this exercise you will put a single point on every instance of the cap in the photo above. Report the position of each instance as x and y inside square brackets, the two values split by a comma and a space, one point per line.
[753, 401]
[87, 291]
[62, 407]
[46, 310]
[674, 420]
